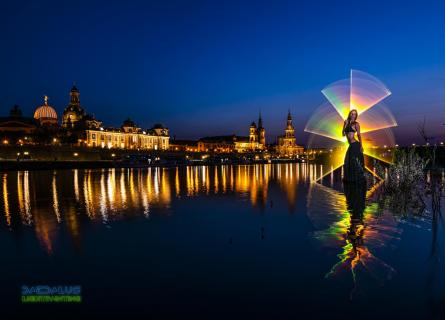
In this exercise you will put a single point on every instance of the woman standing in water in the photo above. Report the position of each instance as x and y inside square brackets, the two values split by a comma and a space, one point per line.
[354, 159]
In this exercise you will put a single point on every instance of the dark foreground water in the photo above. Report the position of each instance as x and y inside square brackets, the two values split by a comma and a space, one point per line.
[261, 241]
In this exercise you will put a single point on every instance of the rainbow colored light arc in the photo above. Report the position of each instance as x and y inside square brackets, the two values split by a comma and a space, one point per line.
[364, 93]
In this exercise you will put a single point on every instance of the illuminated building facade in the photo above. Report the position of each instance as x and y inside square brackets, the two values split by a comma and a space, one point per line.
[257, 138]
[287, 145]
[17, 129]
[75, 118]
[129, 136]
[246, 144]
[73, 113]
[183, 145]
[78, 128]
[222, 144]
[256, 141]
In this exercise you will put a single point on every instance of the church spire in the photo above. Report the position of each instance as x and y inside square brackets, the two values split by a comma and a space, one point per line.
[289, 120]
[260, 120]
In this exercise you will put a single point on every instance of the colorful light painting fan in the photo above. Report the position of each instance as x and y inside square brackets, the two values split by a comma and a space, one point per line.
[364, 93]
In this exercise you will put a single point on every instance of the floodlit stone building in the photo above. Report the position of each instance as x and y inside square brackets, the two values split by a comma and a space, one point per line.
[129, 136]
[286, 144]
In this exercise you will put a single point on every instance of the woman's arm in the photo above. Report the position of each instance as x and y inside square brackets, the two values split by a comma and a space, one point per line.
[359, 136]
[343, 130]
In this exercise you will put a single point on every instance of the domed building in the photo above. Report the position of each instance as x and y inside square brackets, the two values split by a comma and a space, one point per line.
[45, 114]
[75, 118]
[73, 113]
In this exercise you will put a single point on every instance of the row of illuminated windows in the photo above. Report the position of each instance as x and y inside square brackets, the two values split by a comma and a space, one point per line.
[120, 137]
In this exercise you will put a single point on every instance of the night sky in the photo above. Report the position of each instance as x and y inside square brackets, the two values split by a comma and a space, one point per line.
[208, 67]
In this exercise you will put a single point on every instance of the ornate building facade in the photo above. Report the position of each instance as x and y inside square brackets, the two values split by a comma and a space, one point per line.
[257, 137]
[129, 136]
[73, 113]
[286, 144]
[220, 144]
[256, 141]
[42, 128]
[78, 128]
[183, 145]
[75, 118]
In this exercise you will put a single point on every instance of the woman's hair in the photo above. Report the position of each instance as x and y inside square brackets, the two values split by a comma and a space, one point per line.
[348, 120]
[350, 116]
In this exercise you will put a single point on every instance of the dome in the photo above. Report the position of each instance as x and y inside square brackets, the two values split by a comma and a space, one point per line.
[45, 112]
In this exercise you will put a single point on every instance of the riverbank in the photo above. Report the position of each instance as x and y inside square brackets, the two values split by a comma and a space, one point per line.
[25, 165]
[33, 157]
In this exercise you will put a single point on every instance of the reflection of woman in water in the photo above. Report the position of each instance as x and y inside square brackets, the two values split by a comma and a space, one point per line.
[356, 231]
[354, 160]
[356, 203]
[356, 255]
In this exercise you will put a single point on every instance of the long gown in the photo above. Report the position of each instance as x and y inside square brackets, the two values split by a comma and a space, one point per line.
[354, 166]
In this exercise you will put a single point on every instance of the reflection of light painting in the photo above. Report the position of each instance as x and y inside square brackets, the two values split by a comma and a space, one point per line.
[364, 93]
[358, 239]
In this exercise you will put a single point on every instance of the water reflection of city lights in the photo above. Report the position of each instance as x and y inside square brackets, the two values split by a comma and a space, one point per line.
[108, 195]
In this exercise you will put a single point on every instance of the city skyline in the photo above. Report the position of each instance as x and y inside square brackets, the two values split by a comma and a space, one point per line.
[59, 118]
[208, 68]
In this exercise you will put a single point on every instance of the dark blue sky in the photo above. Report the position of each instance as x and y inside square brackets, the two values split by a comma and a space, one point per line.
[207, 67]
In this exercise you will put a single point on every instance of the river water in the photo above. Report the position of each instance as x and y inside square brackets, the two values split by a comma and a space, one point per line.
[263, 241]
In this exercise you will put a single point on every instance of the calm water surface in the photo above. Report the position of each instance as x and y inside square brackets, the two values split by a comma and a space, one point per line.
[260, 241]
